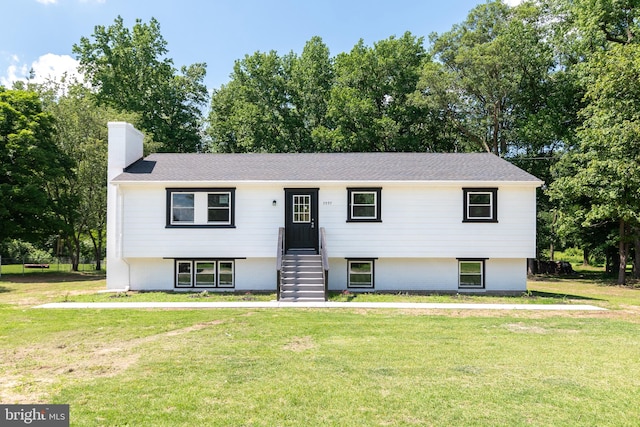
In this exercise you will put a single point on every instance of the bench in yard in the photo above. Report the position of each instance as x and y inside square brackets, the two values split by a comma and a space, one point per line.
[36, 266]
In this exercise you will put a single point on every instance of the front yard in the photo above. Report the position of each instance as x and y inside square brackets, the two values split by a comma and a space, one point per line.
[341, 367]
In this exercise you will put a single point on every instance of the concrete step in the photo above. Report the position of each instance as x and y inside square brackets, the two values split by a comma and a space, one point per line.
[302, 278]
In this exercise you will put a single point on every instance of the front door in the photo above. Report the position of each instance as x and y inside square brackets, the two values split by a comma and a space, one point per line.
[301, 219]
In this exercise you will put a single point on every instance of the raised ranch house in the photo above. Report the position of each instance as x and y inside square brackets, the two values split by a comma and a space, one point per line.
[302, 224]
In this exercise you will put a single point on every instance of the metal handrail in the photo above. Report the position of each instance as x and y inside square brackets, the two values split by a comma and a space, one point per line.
[279, 260]
[323, 249]
[325, 260]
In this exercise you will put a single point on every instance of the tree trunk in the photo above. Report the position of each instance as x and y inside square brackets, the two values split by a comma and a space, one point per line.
[74, 253]
[551, 252]
[585, 256]
[97, 248]
[622, 246]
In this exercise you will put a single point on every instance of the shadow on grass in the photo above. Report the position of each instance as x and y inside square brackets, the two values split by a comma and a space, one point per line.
[554, 295]
[52, 277]
[596, 277]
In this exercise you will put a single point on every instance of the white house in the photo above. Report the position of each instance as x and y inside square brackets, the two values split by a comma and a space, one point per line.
[295, 223]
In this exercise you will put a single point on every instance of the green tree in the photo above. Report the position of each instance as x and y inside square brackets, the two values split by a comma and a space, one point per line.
[81, 193]
[29, 159]
[491, 71]
[605, 167]
[130, 71]
[253, 112]
[598, 176]
[370, 108]
[312, 77]
[359, 101]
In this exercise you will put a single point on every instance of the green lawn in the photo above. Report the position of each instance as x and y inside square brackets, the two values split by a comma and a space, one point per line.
[295, 367]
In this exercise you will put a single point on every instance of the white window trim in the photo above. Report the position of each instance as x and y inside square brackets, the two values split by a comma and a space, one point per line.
[349, 272]
[355, 205]
[228, 208]
[177, 277]
[193, 275]
[174, 222]
[482, 272]
[470, 205]
[493, 205]
[233, 275]
[377, 208]
[306, 216]
[201, 207]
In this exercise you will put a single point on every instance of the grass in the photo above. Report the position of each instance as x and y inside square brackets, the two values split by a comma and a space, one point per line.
[345, 367]
[12, 269]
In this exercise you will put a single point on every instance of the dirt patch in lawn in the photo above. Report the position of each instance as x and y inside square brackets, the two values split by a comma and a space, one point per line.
[26, 373]
[526, 329]
[299, 344]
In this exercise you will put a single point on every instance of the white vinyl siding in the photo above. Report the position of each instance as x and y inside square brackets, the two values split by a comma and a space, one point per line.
[420, 221]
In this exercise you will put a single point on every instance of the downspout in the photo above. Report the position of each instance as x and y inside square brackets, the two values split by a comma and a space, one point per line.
[120, 225]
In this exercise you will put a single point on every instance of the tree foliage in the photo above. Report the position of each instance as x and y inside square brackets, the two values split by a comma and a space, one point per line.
[81, 194]
[29, 159]
[599, 179]
[130, 71]
[357, 101]
[491, 74]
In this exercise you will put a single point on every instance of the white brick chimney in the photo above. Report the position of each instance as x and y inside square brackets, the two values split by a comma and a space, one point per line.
[125, 148]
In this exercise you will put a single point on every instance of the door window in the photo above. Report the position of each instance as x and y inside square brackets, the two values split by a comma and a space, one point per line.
[301, 208]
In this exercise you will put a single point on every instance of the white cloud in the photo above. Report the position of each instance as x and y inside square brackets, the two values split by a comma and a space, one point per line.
[47, 67]
[47, 1]
[53, 67]
[513, 2]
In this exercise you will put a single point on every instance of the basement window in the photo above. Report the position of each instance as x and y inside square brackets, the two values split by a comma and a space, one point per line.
[361, 273]
[204, 274]
[470, 273]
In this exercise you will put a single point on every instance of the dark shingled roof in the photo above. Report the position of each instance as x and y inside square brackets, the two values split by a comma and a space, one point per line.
[325, 167]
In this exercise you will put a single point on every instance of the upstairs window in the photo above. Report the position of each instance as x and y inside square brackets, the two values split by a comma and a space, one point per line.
[219, 208]
[200, 207]
[480, 205]
[364, 205]
[182, 208]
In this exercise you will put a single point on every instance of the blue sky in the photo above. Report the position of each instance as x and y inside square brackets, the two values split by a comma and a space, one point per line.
[39, 34]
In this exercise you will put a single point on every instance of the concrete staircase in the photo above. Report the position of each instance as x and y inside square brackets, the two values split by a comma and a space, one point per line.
[302, 278]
